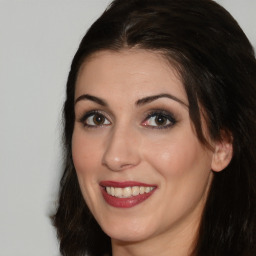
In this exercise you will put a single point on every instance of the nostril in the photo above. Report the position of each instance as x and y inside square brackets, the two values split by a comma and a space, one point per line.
[117, 166]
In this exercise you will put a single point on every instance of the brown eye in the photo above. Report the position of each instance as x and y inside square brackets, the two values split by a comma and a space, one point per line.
[160, 120]
[96, 119]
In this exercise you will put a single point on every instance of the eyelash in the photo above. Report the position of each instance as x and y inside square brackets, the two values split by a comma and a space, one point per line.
[163, 114]
[89, 114]
[168, 117]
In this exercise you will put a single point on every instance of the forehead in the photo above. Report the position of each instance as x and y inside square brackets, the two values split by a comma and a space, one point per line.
[132, 73]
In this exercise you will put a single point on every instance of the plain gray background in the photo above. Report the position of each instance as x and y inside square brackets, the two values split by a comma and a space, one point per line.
[38, 39]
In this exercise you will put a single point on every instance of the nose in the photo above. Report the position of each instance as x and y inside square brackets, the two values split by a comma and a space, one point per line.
[122, 149]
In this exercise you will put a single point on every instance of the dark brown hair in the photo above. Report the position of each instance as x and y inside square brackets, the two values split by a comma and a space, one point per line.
[217, 65]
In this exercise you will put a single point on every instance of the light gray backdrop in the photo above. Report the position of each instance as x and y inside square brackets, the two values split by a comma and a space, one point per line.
[37, 41]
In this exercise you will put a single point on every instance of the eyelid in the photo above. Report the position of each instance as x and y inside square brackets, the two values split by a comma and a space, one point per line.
[90, 113]
[149, 114]
[160, 112]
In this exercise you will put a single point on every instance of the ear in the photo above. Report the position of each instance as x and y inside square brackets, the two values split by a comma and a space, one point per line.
[223, 152]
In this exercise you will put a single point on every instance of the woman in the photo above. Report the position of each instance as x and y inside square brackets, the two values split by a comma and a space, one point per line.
[160, 133]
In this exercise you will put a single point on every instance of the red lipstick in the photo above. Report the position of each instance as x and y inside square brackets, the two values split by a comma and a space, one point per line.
[127, 202]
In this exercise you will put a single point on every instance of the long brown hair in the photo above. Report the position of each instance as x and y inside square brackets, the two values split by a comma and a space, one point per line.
[217, 65]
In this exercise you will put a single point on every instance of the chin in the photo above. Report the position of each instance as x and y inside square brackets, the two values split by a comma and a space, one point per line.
[127, 236]
[128, 231]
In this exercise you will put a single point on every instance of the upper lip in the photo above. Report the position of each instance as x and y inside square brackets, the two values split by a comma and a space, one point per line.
[123, 184]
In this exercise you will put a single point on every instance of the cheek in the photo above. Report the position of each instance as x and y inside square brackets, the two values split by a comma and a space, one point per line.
[179, 156]
[86, 156]
[86, 152]
[183, 167]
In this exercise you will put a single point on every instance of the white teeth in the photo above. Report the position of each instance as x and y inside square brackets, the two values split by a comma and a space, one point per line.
[147, 189]
[112, 191]
[135, 191]
[128, 191]
[118, 192]
[108, 190]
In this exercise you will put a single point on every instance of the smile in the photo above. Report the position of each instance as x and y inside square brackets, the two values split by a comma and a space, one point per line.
[125, 194]
[128, 191]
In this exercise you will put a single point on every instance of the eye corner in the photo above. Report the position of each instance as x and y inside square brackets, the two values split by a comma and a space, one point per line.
[166, 120]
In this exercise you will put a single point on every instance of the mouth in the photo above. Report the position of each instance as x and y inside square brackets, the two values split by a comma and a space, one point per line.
[125, 194]
[128, 191]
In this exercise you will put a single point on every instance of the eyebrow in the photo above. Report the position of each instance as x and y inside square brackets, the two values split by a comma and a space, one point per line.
[91, 98]
[139, 102]
[155, 97]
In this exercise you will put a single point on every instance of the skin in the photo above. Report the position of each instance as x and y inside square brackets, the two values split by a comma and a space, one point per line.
[128, 146]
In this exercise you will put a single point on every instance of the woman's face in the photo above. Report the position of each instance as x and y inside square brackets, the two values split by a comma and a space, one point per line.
[142, 171]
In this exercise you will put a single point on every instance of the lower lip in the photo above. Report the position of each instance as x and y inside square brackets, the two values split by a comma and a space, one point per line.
[125, 202]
